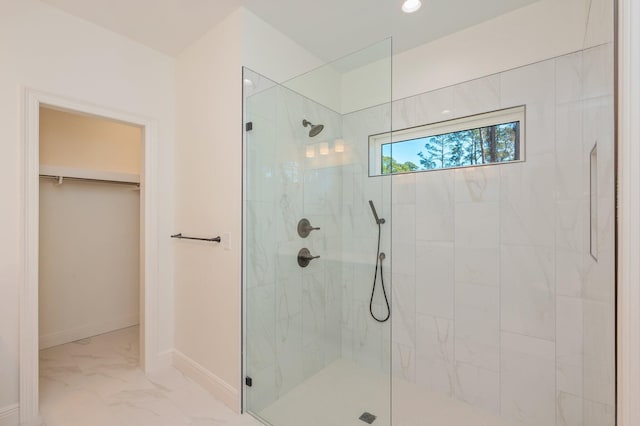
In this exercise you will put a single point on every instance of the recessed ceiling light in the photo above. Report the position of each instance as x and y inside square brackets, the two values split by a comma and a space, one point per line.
[410, 6]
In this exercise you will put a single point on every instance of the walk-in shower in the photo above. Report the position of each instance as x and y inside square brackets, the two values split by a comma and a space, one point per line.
[443, 257]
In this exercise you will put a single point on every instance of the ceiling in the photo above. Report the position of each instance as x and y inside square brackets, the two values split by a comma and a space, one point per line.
[328, 29]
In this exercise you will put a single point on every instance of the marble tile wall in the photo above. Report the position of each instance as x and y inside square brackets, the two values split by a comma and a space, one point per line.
[496, 298]
[364, 339]
[293, 314]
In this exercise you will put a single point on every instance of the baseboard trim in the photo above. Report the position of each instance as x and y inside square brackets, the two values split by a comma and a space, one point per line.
[10, 415]
[163, 360]
[88, 330]
[212, 383]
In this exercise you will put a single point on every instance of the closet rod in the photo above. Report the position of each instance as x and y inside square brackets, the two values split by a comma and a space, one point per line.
[117, 182]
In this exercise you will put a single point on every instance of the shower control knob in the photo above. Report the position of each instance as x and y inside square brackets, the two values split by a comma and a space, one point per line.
[305, 257]
[305, 228]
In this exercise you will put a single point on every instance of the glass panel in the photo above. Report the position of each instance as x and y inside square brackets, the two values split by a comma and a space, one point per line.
[314, 352]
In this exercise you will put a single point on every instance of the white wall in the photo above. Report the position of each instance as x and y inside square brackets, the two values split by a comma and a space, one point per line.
[209, 190]
[540, 31]
[543, 30]
[48, 50]
[269, 52]
[89, 259]
[209, 202]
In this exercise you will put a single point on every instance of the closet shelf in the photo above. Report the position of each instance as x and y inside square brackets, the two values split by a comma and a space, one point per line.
[88, 175]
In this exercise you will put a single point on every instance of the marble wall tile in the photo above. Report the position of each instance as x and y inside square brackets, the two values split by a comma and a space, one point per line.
[538, 94]
[600, 24]
[288, 295]
[490, 247]
[477, 225]
[569, 273]
[568, 78]
[404, 189]
[363, 274]
[367, 339]
[571, 218]
[599, 352]
[527, 299]
[261, 246]
[477, 266]
[434, 353]
[403, 361]
[597, 414]
[404, 114]
[436, 106]
[569, 410]
[289, 355]
[478, 386]
[598, 71]
[527, 379]
[313, 358]
[477, 326]
[404, 309]
[480, 95]
[347, 336]
[261, 327]
[403, 224]
[434, 279]
[477, 184]
[569, 158]
[403, 258]
[313, 306]
[569, 345]
[435, 206]
[527, 203]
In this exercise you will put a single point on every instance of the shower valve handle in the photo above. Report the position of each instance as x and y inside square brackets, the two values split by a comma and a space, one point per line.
[305, 228]
[305, 257]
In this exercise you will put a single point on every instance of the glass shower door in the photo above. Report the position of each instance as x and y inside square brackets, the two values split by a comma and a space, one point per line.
[314, 354]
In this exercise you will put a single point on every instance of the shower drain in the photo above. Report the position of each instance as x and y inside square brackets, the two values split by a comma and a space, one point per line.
[367, 417]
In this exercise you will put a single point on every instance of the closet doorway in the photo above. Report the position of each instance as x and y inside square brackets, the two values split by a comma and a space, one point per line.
[85, 203]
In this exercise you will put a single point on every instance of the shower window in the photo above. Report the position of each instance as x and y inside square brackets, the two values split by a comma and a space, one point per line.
[493, 137]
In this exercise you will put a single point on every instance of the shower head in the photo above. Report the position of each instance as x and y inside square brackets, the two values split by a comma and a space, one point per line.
[315, 128]
[375, 213]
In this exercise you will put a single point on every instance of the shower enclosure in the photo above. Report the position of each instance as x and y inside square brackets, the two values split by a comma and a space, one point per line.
[314, 355]
[494, 242]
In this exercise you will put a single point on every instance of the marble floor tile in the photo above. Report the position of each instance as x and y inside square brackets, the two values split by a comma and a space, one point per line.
[98, 382]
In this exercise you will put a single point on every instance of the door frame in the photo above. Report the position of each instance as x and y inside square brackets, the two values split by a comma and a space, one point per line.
[32, 100]
[628, 297]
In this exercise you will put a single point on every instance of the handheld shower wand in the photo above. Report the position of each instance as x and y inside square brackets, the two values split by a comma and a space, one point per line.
[375, 213]
[379, 258]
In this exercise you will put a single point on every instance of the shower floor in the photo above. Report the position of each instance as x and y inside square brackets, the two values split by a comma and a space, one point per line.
[339, 394]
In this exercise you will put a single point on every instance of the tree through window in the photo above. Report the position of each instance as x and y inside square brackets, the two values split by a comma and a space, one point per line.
[452, 144]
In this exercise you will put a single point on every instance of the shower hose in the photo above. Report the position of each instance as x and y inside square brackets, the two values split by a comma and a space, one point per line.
[379, 258]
